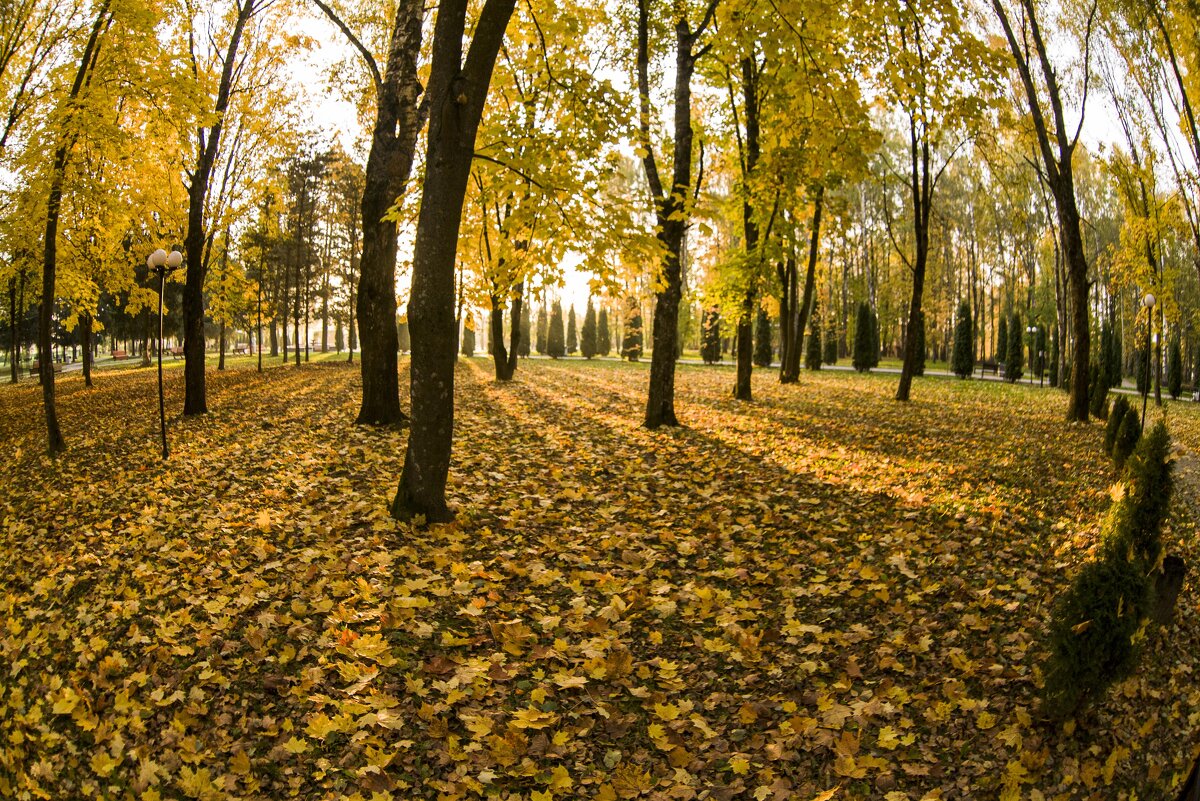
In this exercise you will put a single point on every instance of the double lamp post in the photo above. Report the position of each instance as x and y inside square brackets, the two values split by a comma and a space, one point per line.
[161, 264]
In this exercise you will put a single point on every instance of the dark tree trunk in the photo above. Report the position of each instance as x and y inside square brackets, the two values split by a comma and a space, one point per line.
[922, 204]
[505, 359]
[785, 271]
[745, 350]
[745, 327]
[55, 444]
[457, 93]
[670, 207]
[792, 368]
[14, 338]
[196, 240]
[398, 121]
[88, 345]
[296, 296]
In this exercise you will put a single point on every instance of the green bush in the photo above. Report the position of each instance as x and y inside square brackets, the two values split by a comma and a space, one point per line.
[1174, 369]
[1092, 628]
[556, 346]
[1098, 390]
[1014, 362]
[764, 351]
[710, 336]
[1127, 438]
[1138, 519]
[1116, 416]
[831, 347]
[963, 360]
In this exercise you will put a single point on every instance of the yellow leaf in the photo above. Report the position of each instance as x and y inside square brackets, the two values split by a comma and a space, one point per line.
[740, 765]
[828, 794]
[67, 701]
[296, 745]
[320, 726]
[240, 764]
[1117, 756]
[606, 793]
[666, 711]
[531, 718]
[887, 738]
[103, 763]
[560, 778]
[985, 720]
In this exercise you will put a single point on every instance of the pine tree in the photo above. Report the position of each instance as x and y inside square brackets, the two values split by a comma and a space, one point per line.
[710, 336]
[919, 367]
[1142, 368]
[543, 326]
[587, 339]
[603, 338]
[763, 350]
[812, 350]
[864, 334]
[1175, 369]
[468, 336]
[963, 360]
[572, 334]
[555, 341]
[1115, 365]
[1014, 364]
[1105, 354]
[631, 348]
[831, 346]
[1002, 340]
[523, 346]
[875, 340]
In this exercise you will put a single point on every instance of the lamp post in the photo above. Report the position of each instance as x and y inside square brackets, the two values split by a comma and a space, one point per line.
[161, 263]
[1148, 304]
[1032, 330]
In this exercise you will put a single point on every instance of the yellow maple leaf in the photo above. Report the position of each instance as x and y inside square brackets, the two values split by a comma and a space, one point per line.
[296, 745]
[103, 763]
[531, 718]
[985, 720]
[740, 765]
[887, 738]
[321, 726]
[666, 712]
[240, 764]
[828, 794]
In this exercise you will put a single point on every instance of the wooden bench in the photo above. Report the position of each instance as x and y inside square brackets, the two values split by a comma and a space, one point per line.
[985, 366]
[241, 350]
[36, 366]
[176, 352]
[119, 354]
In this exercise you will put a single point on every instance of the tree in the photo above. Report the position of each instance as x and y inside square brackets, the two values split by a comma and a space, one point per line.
[1014, 362]
[1057, 149]
[572, 335]
[468, 336]
[399, 117]
[555, 344]
[523, 345]
[457, 91]
[543, 324]
[831, 347]
[587, 341]
[710, 336]
[812, 355]
[1002, 340]
[864, 335]
[603, 337]
[763, 350]
[919, 364]
[1175, 368]
[671, 203]
[962, 363]
[631, 347]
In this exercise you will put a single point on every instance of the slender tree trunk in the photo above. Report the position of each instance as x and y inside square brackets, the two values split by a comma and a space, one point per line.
[922, 203]
[14, 338]
[85, 334]
[194, 243]
[457, 93]
[806, 303]
[742, 389]
[785, 318]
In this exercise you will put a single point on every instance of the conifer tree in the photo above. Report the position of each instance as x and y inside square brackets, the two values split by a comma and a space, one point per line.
[812, 351]
[875, 339]
[543, 325]
[1175, 369]
[1115, 366]
[763, 350]
[603, 337]
[864, 335]
[587, 338]
[631, 348]
[1141, 371]
[468, 336]
[831, 346]
[1014, 364]
[1002, 340]
[710, 336]
[523, 346]
[963, 360]
[555, 339]
[572, 334]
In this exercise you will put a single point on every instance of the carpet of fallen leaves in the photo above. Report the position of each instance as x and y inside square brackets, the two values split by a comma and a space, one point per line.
[823, 594]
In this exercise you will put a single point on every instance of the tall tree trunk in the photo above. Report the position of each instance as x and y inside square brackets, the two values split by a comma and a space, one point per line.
[55, 444]
[806, 303]
[505, 359]
[457, 93]
[922, 203]
[195, 241]
[296, 310]
[742, 389]
[14, 339]
[88, 343]
[399, 117]
[784, 270]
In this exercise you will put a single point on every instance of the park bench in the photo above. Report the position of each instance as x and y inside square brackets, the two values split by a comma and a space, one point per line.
[119, 354]
[989, 366]
[176, 352]
[33, 368]
[241, 350]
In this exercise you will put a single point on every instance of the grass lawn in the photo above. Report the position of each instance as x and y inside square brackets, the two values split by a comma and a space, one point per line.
[820, 591]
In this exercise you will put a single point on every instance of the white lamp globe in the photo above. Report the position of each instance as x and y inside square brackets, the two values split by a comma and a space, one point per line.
[174, 259]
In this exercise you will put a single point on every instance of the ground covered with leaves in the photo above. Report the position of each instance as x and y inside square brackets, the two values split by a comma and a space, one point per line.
[821, 594]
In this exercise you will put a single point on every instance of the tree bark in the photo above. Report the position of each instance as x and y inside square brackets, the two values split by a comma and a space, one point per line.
[505, 359]
[742, 389]
[399, 117]
[55, 444]
[195, 240]
[922, 204]
[457, 93]
[792, 374]
[14, 347]
[86, 340]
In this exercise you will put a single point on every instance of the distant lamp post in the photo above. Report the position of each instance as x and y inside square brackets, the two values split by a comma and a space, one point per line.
[161, 264]
[1148, 303]
[1033, 364]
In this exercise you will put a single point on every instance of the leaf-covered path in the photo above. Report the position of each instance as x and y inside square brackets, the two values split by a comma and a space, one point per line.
[822, 590]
